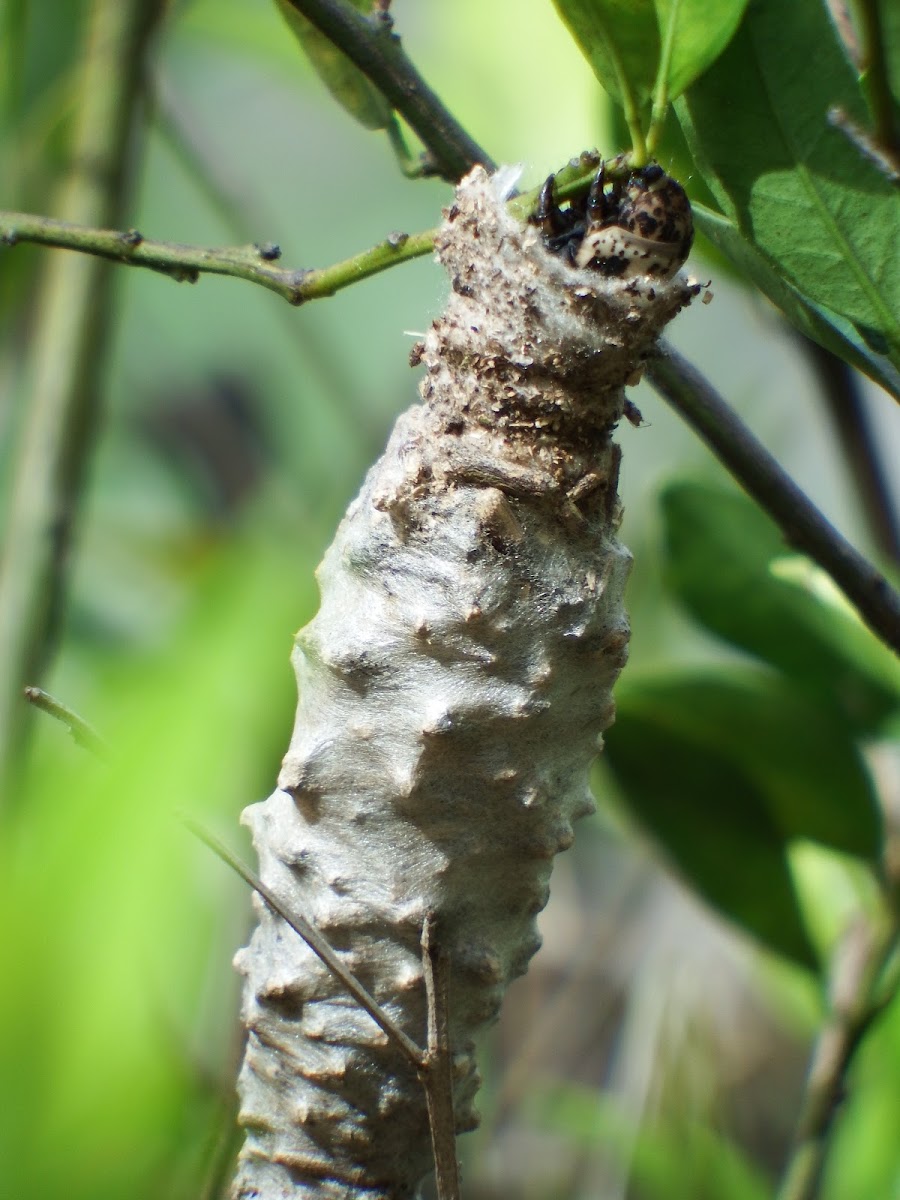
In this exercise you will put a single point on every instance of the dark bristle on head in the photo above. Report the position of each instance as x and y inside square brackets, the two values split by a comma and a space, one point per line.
[652, 173]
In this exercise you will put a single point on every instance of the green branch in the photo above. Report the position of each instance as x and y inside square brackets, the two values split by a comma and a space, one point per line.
[864, 982]
[255, 263]
[661, 85]
[186, 264]
[83, 734]
[371, 44]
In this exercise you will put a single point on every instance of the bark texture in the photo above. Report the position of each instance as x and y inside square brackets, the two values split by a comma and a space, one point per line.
[454, 687]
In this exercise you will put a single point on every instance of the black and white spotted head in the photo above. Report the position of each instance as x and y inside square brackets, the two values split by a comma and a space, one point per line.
[638, 227]
[648, 232]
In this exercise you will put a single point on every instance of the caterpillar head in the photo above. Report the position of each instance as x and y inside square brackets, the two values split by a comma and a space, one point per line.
[637, 227]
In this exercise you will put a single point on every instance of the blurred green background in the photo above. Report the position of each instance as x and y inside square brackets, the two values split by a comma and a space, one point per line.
[651, 1051]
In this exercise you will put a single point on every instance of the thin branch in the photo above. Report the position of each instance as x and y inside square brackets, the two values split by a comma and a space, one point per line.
[839, 386]
[860, 992]
[437, 1073]
[186, 264]
[319, 946]
[434, 1066]
[371, 44]
[67, 358]
[761, 477]
[661, 85]
[82, 733]
[874, 76]
[255, 263]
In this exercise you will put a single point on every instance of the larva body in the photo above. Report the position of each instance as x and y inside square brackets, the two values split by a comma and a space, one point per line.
[453, 689]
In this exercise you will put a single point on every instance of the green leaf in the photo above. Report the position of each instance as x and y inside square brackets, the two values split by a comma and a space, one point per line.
[795, 187]
[711, 818]
[816, 322]
[729, 566]
[620, 39]
[799, 756]
[668, 1155]
[344, 80]
[698, 32]
[624, 40]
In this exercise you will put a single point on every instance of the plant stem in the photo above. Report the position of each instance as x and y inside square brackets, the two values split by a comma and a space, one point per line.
[631, 109]
[874, 76]
[858, 996]
[437, 1074]
[371, 45]
[855, 436]
[186, 264]
[661, 85]
[254, 263]
[82, 733]
[67, 356]
[803, 526]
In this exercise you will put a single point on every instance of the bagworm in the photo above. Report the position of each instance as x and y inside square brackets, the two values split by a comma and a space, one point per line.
[455, 683]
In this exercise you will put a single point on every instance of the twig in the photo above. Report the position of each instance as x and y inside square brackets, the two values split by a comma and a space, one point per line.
[254, 263]
[318, 944]
[434, 1066]
[437, 1072]
[82, 733]
[804, 527]
[371, 45]
[858, 442]
[68, 356]
[859, 993]
[185, 264]
[874, 76]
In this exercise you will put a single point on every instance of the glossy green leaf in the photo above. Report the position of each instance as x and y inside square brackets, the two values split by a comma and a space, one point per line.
[794, 186]
[620, 39]
[727, 252]
[343, 79]
[828, 329]
[698, 32]
[800, 757]
[625, 40]
[729, 566]
[710, 817]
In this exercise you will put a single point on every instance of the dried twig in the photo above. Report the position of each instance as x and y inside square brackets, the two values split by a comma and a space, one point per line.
[434, 1065]
[319, 946]
[437, 1074]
